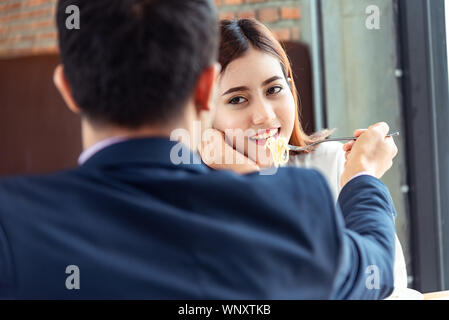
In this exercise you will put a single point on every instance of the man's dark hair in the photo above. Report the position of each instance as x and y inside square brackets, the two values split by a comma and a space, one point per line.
[136, 62]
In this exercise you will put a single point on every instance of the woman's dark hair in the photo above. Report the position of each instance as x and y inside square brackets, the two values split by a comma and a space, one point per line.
[237, 37]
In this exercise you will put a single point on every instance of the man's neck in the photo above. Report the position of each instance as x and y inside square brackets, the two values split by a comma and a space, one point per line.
[94, 133]
[91, 135]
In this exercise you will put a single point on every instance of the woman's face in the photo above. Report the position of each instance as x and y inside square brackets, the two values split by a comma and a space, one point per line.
[254, 96]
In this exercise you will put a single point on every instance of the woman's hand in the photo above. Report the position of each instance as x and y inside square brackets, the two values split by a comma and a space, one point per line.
[219, 155]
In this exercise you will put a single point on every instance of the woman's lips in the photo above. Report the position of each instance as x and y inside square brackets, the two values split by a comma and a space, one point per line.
[261, 138]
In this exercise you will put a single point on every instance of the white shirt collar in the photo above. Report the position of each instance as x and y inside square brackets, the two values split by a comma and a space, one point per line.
[89, 152]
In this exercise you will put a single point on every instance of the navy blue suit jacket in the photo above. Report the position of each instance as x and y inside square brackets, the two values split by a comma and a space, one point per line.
[138, 226]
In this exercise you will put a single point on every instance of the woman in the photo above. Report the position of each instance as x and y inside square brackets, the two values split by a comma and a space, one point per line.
[257, 100]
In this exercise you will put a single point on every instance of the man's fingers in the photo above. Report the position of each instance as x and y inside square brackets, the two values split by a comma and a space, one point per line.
[347, 155]
[358, 132]
[381, 127]
[348, 145]
[392, 145]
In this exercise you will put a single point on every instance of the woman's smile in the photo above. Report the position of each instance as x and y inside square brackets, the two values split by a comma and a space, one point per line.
[263, 135]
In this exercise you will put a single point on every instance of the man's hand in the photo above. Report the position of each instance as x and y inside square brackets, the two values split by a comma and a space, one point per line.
[219, 155]
[372, 153]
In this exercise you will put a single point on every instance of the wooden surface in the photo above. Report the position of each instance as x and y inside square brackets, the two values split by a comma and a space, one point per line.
[440, 295]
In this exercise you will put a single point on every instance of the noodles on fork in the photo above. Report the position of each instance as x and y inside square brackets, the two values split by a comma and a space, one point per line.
[279, 150]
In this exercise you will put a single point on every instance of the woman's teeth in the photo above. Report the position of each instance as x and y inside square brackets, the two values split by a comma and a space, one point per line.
[266, 135]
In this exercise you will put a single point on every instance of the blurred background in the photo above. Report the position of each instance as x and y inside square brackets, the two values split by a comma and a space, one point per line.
[356, 62]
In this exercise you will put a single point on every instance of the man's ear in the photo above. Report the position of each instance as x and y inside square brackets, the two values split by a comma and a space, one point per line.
[205, 88]
[64, 89]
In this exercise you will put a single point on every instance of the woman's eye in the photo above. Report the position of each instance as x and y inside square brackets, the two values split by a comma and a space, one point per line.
[274, 90]
[237, 100]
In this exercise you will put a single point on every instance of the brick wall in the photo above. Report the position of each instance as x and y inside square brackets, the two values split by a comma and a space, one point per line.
[281, 16]
[27, 26]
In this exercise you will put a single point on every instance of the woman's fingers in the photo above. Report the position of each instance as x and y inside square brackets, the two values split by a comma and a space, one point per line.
[219, 155]
[242, 164]
[237, 161]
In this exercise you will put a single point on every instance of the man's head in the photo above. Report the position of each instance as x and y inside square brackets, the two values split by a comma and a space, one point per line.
[136, 63]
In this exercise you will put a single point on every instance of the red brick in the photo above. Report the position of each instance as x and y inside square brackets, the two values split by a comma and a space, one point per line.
[38, 2]
[295, 35]
[282, 34]
[27, 27]
[268, 15]
[32, 37]
[247, 14]
[290, 13]
[46, 50]
[10, 7]
[232, 2]
[32, 25]
[22, 16]
[15, 52]
[228, 15]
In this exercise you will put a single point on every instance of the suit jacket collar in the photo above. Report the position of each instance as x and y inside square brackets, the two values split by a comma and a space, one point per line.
[147, 151]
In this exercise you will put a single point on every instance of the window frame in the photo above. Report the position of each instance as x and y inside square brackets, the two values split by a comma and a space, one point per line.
[425, 104]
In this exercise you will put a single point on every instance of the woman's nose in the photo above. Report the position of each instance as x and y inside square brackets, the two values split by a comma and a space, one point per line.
[263, 113]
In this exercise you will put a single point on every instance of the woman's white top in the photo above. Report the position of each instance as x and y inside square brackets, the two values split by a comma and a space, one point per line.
[329, 159]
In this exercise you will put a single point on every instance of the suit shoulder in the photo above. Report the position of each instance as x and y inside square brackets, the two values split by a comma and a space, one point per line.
[22, 184]
[39, 177]
[303, 185]
[282, 175]
[298, 175]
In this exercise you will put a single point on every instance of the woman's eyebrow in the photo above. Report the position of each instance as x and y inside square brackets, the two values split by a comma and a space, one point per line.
[235, 89]
[274, 78]
[271, 80]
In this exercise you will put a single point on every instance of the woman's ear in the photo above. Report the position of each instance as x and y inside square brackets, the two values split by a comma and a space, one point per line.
[63, 87]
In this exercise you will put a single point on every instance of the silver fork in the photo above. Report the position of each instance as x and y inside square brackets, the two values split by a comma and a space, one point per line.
[296, 148]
